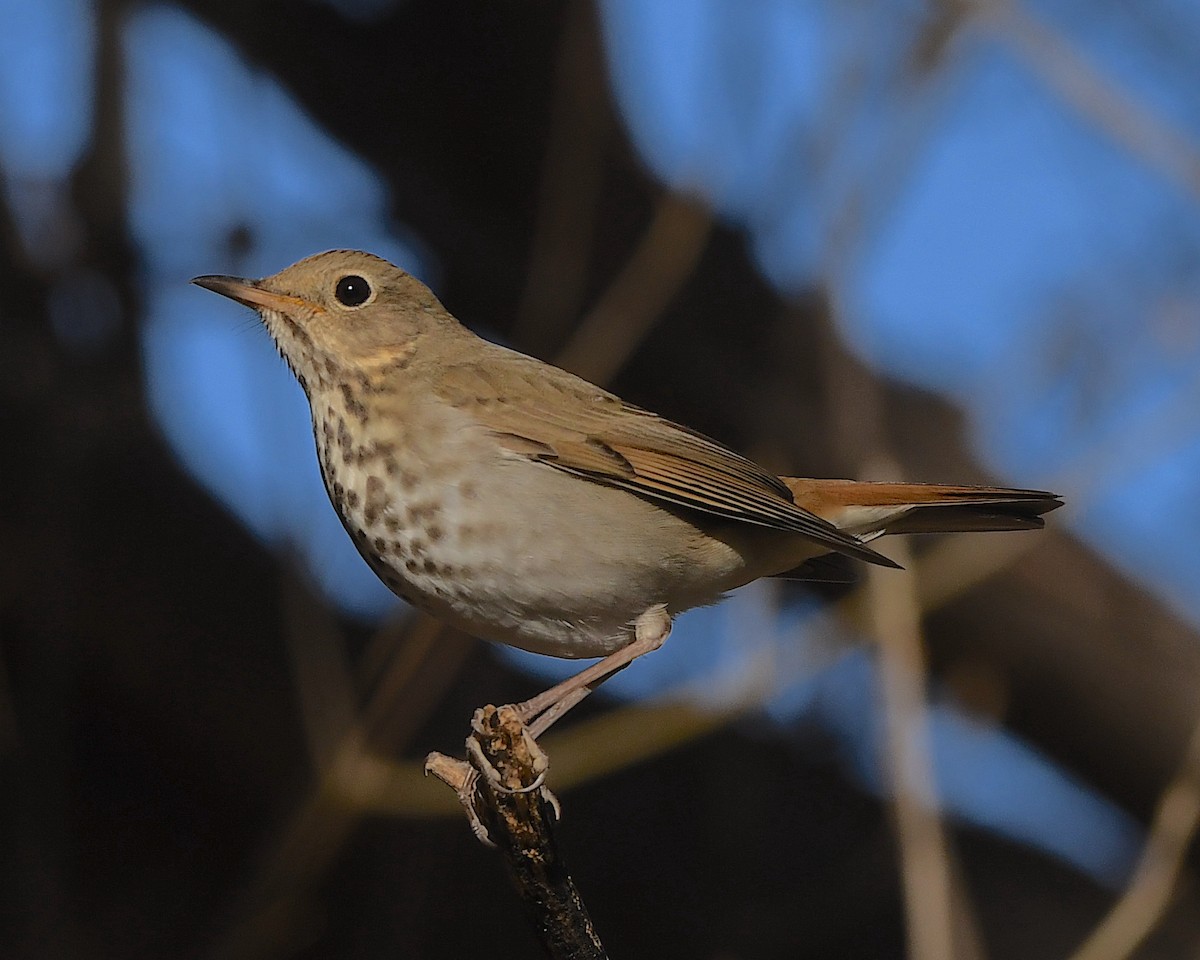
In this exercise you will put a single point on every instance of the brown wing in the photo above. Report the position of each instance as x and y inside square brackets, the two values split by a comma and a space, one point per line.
[545, 414]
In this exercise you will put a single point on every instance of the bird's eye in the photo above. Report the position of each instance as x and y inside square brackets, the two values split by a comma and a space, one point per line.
[352, 291]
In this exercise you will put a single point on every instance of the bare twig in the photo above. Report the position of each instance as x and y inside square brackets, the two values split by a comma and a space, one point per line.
[1154, 880]
[503, 787]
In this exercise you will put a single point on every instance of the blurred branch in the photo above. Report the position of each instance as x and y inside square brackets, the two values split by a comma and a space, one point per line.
[569, 194]
[862, 203]
[924, 857]
[425, 661]
[956, 564]
[1132, 123]
[319, 672]
[568, 202]
[1154, 880]
[427, 656]
[939, 915]
[664, 259]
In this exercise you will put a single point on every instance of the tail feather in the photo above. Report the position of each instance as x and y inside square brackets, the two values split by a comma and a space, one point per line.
[870, 510]
[877, 508]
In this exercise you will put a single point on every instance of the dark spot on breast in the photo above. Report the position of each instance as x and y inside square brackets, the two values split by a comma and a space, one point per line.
[378, 500]
[352, 499]
[411, 565]
[343, 435]
[418, 513]
[417, 547]
[469, 490]
[434, 532]
[380, 545]
[354, 406]
[429, 566]
[392, 524]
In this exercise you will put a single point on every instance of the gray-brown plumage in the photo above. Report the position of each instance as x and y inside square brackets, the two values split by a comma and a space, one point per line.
[531, 507]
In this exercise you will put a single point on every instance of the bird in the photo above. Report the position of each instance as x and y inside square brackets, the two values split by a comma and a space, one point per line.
[524, 505]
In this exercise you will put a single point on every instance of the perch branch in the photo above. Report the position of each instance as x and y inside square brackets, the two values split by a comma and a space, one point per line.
[502, 787]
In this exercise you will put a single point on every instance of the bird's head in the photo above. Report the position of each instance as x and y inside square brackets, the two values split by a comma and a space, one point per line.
[339, 311]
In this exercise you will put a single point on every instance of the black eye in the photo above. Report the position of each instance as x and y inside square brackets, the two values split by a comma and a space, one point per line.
[352, 291]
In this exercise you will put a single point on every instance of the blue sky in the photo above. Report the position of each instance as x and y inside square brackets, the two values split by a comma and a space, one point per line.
[1019, 258]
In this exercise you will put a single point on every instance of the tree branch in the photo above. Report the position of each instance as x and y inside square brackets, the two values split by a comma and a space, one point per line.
[502, 788]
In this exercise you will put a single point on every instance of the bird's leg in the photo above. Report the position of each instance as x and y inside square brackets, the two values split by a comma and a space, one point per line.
[649, 631]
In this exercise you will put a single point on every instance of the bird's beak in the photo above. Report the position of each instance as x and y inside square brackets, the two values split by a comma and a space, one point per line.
[250, 292]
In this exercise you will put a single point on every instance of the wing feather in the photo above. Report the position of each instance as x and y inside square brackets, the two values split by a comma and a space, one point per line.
[548, 415]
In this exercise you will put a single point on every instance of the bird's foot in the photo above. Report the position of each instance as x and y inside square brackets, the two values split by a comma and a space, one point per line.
[503, 761]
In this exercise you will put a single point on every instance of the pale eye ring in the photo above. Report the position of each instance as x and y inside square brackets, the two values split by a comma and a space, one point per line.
[352, 290]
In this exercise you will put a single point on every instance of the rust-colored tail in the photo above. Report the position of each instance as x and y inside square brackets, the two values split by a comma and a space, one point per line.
[870, 510]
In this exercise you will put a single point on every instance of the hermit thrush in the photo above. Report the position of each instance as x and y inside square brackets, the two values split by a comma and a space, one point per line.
[525, 505]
